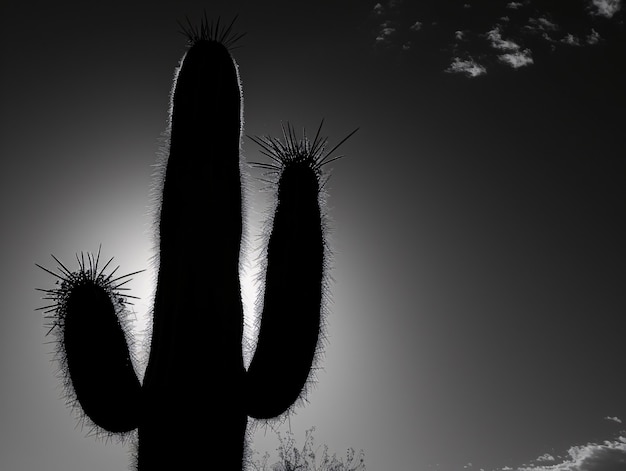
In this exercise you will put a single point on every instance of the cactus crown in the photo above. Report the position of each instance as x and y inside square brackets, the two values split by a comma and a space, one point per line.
[291, 153]
[210, 31]
[88, 275]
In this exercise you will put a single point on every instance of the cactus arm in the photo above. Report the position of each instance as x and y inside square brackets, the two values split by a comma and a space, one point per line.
[99, 362]
[87, 317]
[290, 321]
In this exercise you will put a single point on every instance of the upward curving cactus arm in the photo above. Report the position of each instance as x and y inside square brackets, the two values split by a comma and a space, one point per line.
[290, 321]
[87, 316]
[295, 277]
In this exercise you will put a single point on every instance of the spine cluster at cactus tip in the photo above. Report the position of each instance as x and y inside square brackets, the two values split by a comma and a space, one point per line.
[191, 409]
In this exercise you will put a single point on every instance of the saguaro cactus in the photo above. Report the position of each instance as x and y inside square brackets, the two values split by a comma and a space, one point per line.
[192, 409]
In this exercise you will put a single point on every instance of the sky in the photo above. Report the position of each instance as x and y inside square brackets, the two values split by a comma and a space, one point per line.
[477, 219]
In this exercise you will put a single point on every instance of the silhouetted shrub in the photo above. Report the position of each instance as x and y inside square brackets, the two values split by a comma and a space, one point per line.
[309, 457]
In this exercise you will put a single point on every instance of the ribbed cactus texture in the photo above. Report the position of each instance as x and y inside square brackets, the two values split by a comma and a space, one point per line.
[192, 409]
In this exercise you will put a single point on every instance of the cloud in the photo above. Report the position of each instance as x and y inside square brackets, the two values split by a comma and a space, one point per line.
[545, 457]
[385, 32]
[517, 59]
[593, 37]
[614, 419]
[606, 8]
[495, 38]
[571, 40]
[516, 27]
[541, 24]
[468, 67]
[609, 456]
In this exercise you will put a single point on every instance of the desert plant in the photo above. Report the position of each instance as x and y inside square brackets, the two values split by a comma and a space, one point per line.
[191, 410]
[307, 458]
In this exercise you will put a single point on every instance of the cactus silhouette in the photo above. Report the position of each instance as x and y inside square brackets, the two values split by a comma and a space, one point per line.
[192, 408]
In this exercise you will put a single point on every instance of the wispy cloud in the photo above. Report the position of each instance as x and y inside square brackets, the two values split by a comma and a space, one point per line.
[379, 8]
[385, 32]
[391, 28]
[542, 24]
[517, 38]
[608, 456]
[614, 419]
[495, 38]
[571, 40]
[468, 67]
[517, 59]
[606, 8]
[593, 37]
[416, 26]
[546, 457]
[514, 56]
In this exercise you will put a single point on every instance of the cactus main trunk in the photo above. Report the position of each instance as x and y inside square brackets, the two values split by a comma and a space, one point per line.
[194, 380]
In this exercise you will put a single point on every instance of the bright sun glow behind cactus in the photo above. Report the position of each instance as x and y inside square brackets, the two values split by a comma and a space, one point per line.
[197, 372]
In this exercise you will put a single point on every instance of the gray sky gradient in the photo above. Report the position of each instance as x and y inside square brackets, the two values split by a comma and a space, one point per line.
[477, 220]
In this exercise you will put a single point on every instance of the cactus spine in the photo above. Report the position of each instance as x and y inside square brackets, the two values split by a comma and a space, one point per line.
[192, 409]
